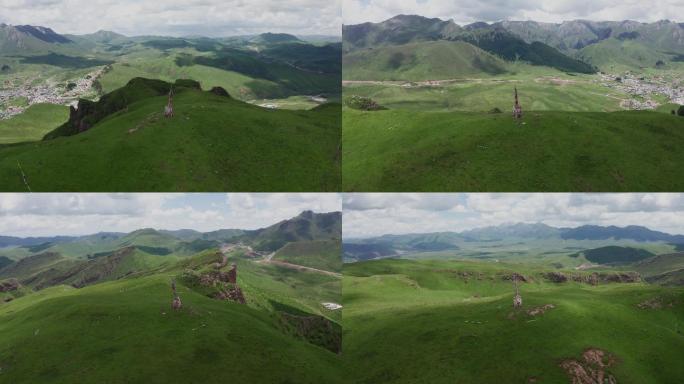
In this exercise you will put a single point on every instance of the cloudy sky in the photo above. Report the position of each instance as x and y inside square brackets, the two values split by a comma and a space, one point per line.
[27, 215]
[178, 17]
[375, 214]
[468, 11]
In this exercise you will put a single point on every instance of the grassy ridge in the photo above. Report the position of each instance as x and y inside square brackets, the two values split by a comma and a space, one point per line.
[213, 143]
[552, 151]
[448, 321]
[208, 341]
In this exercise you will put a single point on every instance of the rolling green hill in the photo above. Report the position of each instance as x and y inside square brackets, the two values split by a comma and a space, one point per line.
[616, 55]
[117, 305]
[320, 254]
[216, 341]
[212, 143]
[421, 61]
[616, 255]
[401, 150]
[452, 321]
[667, 269]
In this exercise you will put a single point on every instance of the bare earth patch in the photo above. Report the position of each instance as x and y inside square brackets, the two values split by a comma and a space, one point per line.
[540, 310]
[591, 369]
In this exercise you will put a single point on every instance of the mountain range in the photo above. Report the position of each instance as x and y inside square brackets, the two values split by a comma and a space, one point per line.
[571, 46]
[83, 260]
[393, 245]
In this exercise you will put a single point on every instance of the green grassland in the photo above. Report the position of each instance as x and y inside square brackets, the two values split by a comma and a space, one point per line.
[613, 55]
[421, 61]
[212, 143]
[98, 333]
[89, 335]
[163, 66]
[537, 92]
[425, 321]
[402, 150]
[552, 253]
[33, 124]
[322, 254]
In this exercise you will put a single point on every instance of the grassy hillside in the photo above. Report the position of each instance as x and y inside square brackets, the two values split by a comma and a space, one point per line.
[549, 151]
[618, 55]
[448, 321]
[212, 143]
[321, 254]
[616, 255]
[33, 124]
[208, 341]
[282, 334]
[421, 61]
[667, 269]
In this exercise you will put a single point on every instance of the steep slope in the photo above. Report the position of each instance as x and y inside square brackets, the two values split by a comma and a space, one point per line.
[27, 39]
[510, 47]
[400, 29]
[421, 61]
[308, 226]
[665, 269]
[572, 35]
[212, 143]
[491, 38]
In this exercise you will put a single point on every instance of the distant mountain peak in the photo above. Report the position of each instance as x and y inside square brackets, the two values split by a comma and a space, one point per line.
[271, 37]
[42, 33]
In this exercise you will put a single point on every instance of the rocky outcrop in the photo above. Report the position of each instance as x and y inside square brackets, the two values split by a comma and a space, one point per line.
[88, 113]
[540, 310]
[556, 277]
[517, 277]
[232, 293]
[232, 274]
[213, 278]
[591, 368]
[9, 285]
[594, 278]
[657, 302]
[220, 91]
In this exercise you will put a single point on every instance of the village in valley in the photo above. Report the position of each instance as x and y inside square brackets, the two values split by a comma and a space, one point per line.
[643, 89]
[20, 92]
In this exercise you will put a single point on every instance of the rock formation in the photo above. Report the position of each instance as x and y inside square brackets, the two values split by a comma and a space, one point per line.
[517, 299]
[9, 285]
[220, 91]
[176, 304]
[592, 370]
[232, 274]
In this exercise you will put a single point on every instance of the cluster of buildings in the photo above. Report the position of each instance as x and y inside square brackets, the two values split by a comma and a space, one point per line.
[644, 88]
[36, 91]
